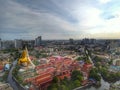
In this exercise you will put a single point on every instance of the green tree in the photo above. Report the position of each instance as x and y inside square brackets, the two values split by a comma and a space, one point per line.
[94, 74]
[80, 77]
[104, 71]
[63, 87]
[55, 79]
[76, 75]
[53, 86]
[77, 83]
[110, 62]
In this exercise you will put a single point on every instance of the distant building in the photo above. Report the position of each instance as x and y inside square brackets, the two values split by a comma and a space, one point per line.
[0, 43]
[88, 41]
[92, 41]
[7, 44]
[85, 41]
[71, 41]
[113, 44]
[38, 41]
[29, 43]
[118, 63]
[18, 43]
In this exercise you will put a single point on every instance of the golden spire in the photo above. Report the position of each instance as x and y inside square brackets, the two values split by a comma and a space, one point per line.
[25, 58]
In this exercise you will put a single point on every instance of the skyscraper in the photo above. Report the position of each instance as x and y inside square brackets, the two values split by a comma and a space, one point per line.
[0, 43]
[38, 41]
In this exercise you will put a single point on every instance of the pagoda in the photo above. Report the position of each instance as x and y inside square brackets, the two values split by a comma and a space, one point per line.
[25, 60]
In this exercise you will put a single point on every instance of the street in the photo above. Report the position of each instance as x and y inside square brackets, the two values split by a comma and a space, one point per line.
[9, 79]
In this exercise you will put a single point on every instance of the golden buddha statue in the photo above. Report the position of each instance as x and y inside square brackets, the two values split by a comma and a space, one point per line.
[25, 60]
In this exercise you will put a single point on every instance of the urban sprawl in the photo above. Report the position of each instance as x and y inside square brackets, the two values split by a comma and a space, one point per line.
[59, 64]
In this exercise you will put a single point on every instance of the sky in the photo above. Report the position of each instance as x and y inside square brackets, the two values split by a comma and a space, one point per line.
[59, 19]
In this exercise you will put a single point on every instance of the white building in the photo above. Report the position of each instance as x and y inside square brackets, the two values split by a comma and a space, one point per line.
[18, 43]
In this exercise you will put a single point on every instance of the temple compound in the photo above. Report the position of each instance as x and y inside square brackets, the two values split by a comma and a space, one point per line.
[39, 77]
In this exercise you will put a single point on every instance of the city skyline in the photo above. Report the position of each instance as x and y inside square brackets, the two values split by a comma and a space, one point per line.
[56, 19]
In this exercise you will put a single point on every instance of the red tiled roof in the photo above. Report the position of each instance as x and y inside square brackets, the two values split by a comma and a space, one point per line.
[87, 65]
[65, 73]
[38, 77]
[42, 79]
[47, 70]
[58, 65]
[1, 67]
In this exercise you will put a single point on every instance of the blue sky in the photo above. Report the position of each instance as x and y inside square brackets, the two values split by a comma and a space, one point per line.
[59, 19]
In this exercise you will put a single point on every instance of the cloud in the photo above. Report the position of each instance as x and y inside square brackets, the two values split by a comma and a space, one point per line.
[104, 1]
[19, 18]
[56, 19]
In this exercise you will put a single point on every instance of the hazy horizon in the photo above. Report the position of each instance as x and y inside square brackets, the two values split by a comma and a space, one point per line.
[56, 19]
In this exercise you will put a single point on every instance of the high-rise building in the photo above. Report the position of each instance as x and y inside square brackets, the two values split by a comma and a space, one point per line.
[18, 43]
[38, 41]
[0, 43]
[71, 41]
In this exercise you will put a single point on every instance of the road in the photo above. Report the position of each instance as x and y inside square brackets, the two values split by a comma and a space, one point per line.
[10, 79]
[89, 57]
